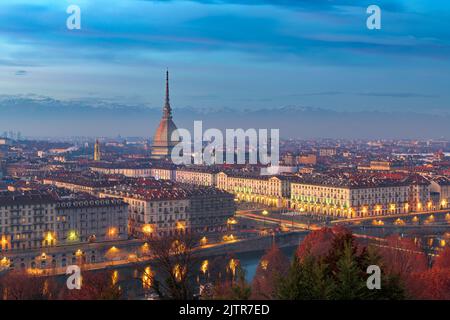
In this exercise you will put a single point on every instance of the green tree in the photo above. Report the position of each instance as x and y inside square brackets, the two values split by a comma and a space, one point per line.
[338, 273]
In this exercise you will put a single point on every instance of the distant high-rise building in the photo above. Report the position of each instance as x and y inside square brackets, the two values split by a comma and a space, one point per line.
[97, 155]
[164, 139]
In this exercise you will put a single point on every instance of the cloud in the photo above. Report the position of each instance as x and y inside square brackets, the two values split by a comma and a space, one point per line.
[21, 73]
[397, 95]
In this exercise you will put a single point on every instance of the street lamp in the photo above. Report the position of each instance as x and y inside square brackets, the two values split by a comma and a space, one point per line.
[265, 213]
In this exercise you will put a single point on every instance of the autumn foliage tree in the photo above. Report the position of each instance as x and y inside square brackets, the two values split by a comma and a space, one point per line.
[274, 266]
[433, 283]
[23, 286]
[330, 264]
[232, 285]
[95, 285]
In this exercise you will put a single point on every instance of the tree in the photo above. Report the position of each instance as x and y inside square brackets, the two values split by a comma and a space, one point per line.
[443, 260]
[338, 273]
[173, 254]
[96, 285]
[317, 243]
[432, 284]
[350, 282]
[23, 286]
[273, 266]
[403, 257]
[234, 286]
[307, 279]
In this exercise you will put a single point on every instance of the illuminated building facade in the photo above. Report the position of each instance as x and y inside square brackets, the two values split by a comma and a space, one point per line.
[34, 220]
[166, 210]
[441, 185]
[361, 197]
[270, 190]
[199, 177]
[126, 170]
[163, 173]
[38, 230]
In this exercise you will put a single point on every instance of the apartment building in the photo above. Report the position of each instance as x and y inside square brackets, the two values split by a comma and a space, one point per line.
[358, 196]
[196, 176]
[270, 190]
[161, 209]
[34, 224]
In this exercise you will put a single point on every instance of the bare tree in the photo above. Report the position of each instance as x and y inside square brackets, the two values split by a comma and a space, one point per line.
[175, 266]
[22, 286]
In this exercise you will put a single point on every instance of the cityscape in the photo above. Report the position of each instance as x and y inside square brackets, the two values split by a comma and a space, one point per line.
[107, 211]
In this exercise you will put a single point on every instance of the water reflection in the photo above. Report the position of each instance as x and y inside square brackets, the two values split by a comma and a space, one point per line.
[147, 278]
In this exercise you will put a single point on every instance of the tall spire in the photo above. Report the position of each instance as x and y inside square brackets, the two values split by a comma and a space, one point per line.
[167, 111]
[97, 155]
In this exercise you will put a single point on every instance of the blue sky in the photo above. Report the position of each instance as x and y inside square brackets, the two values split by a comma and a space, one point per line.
[239, 54]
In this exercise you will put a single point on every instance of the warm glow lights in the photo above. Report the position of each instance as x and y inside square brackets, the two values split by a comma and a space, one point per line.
[265, 213]
[203, 241]
[4, 262]
[132, 257]
[4, 242]
[145, 248]
[442, 243]
[231, 221]
[392, 207]
[34, 271]
[264, 264]
[181, 225]
[178, 247]
[232, 265]
[229, 238]
[178, 272]
[147, 229]
[72, 236]
[78, 253]
[204, 266]
[111, 253]
[444, 203]
[115, 277]
[399, 222]
[377, 223]
[49, 237]
[415, 219]
[147, 278]
[112, 232]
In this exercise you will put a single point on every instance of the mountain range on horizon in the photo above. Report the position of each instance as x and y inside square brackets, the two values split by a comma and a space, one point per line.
[38, 116]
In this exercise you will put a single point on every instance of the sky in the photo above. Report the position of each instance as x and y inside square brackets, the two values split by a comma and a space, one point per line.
[242, 55]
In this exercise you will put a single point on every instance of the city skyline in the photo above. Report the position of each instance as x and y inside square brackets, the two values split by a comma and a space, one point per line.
[306, 66]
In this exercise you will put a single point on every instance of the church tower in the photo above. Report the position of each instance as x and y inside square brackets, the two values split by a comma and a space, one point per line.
[97, 155]
[164, 140]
